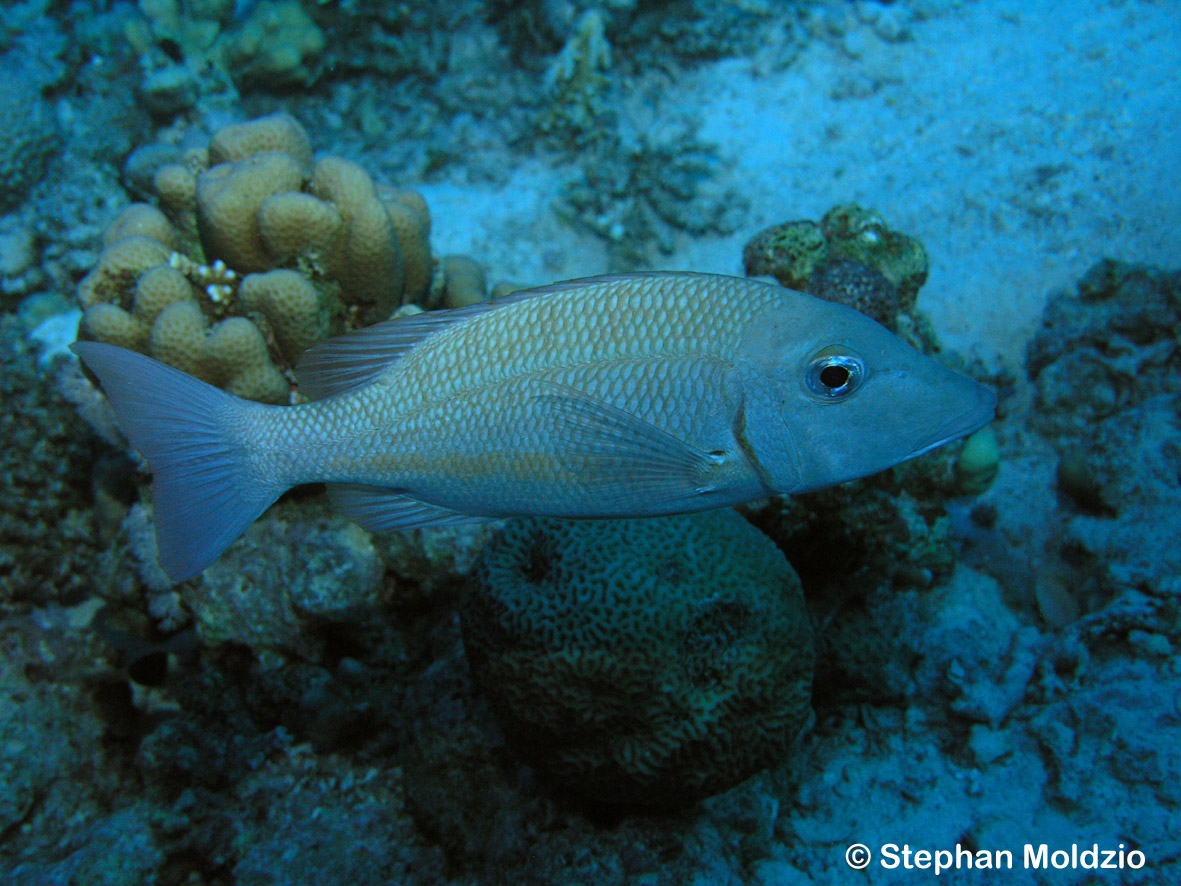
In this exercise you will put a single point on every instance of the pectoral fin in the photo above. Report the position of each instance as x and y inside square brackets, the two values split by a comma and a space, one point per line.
[643, 468]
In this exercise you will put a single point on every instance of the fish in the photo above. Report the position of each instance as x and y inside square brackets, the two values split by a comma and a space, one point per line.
[634, 395]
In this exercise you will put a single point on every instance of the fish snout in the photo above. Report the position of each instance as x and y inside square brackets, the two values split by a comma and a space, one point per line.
[978, 410]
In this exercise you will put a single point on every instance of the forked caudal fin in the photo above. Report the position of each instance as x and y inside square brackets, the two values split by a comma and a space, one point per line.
[205, 490]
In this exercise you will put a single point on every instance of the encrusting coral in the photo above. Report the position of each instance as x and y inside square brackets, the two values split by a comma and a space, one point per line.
[861, 235]
[795, 252]
[790, 252]
[850, 257]
[648, 662]
[254, 254]
[853, 258]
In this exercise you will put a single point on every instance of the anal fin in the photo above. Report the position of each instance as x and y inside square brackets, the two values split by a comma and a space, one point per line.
[378, 509]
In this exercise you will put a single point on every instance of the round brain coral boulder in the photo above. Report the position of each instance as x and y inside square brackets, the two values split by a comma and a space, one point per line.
[649, 662]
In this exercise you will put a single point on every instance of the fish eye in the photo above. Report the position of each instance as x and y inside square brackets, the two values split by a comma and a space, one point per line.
[834, 373]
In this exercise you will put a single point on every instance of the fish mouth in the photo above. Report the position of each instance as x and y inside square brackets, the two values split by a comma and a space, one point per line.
[972, 419]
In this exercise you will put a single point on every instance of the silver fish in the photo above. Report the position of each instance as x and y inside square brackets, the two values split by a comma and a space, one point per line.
[623, 396]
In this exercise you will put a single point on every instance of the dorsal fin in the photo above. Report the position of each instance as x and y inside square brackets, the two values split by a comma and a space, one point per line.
[354, 360]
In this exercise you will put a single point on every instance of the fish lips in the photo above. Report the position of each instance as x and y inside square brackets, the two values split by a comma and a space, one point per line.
[980, 411]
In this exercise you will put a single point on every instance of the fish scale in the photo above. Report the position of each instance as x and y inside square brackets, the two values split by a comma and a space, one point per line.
[659, 317]
[634, 395]
[623, 366]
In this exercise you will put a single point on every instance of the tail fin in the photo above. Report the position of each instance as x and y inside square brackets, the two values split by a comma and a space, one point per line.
[206, 492]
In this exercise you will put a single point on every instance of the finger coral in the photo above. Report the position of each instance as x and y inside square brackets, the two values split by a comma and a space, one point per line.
[291, 308]
[412, 225]
[228, 200]
[278, 132]
[253, 254]
[368, 261]
[464, 281]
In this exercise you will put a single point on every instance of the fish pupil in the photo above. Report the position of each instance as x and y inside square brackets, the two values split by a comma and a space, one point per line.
[834, 376]
[834, 373]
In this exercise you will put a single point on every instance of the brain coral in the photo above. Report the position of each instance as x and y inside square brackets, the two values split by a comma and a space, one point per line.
[254, 254]
[647, 662]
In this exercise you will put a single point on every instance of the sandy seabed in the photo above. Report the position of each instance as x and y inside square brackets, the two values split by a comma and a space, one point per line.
[1020, 142]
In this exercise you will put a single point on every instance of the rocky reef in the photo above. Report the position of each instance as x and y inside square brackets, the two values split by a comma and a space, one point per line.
[59, 489]
[640, 196]
[31, 141]
[1105, 365]
[201, 52]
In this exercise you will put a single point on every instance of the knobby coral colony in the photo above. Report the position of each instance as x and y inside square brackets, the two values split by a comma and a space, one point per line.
[192, 50]
[253, 254]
